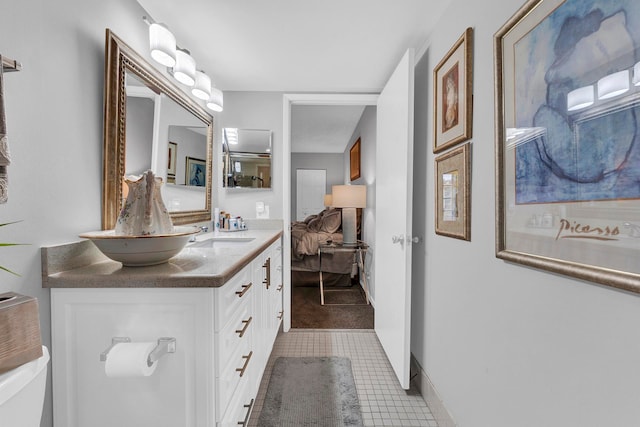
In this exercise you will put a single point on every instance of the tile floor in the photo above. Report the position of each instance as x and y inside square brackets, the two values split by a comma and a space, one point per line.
[383, 402]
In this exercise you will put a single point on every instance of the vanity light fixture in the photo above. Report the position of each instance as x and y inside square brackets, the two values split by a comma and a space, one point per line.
[636, 74]
[202, 87]
[215, 101]
[580, 98]
[185, 69]
[613, 85]
[162, 43]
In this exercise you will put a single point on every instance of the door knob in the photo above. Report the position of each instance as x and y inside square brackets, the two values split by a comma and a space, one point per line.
[398, 239]
[415, 239]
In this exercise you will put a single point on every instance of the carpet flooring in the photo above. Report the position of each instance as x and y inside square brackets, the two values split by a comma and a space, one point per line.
[311, 391]
[308, 313]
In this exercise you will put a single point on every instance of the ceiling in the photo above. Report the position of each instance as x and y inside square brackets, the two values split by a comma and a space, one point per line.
[308, 46]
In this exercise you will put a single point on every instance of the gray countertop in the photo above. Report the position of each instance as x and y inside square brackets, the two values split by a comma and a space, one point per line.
[81, 265]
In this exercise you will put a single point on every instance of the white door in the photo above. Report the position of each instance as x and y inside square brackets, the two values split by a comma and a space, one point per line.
[394, 190]
[311, 186]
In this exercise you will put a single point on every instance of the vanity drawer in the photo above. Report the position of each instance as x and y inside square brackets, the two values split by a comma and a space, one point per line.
[236, 371]
[235, 293]
[240, 407]
[237, 330]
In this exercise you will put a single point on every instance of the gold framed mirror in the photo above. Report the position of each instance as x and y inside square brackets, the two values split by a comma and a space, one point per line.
[150, 123]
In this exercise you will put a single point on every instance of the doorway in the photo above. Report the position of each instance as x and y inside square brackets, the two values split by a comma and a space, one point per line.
[289, 102]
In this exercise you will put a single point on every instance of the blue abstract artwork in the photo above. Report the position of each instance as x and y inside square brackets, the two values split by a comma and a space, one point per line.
[585, 152]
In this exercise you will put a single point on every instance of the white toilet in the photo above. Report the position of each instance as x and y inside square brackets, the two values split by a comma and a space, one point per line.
[22, 393]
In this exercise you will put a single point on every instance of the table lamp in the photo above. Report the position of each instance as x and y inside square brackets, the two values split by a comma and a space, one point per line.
[328, 200]
[349, 198]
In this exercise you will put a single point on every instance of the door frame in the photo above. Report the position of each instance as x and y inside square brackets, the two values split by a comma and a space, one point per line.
[288, 101]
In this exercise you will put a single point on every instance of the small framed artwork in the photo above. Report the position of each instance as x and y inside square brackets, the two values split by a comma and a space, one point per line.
[453, 193]
[171, 158]
[453, 95]
[567, 152]
[354, 158]
[196, 172]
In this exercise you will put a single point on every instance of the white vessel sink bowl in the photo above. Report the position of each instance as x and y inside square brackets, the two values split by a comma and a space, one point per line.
[138, 251]
[211, 240]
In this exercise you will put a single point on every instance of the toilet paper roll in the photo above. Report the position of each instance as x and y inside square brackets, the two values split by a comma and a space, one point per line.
[130, 360]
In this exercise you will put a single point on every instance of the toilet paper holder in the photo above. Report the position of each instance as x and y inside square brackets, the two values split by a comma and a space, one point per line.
[165, 345]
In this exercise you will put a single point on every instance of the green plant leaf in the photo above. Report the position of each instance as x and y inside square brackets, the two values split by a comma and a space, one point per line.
[9, 271]
[10, 244]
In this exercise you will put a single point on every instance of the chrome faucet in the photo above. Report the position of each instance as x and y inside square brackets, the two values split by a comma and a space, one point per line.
[203, 229]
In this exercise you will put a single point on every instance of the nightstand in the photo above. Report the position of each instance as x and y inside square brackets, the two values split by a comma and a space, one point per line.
[359, 251]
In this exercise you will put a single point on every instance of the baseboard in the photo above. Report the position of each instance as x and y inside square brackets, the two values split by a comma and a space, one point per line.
[430, 395]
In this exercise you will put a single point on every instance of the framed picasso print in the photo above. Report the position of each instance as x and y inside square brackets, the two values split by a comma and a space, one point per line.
[453, 94]
[567, 76]
[172, 156]
[453, 193]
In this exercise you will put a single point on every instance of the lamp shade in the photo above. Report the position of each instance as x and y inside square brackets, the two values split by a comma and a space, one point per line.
[580, 98]
[162, 44]
[613, 85]
[202, 86]
[349, 196]
[328, 200]
[185, 69]
[215, 101]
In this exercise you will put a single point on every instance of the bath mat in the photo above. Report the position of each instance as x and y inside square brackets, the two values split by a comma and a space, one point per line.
[311, 391]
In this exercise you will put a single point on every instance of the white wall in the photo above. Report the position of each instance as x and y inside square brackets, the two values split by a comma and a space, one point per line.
[366, 131]
[54, 123]
[503, 344]
[250, 110]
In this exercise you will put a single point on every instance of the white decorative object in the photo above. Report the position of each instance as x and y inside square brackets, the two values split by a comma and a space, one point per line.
[136, 251]
[144, 212]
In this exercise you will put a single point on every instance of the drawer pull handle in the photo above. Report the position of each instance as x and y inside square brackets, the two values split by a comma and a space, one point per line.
[267, 267]
[280, 315]
[246, 363]
[279, 288]
[241, 332]
[246, 417]
[244, 290]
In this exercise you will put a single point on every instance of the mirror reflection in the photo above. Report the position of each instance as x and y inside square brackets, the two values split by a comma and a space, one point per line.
[246, 158]
[150, 124]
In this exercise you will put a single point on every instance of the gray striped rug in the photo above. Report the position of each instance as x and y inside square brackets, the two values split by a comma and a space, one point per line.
[311, 391]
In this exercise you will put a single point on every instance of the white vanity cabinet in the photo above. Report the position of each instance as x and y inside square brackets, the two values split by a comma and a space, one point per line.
[268, 276]
[224, 336]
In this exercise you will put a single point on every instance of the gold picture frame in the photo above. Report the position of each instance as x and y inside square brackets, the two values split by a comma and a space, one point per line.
[354, 160]
[453, 95]
[568, 202]
[453, 193]
[172, 156]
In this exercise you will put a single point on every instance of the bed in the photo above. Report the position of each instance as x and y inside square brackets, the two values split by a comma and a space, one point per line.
[306, 236]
